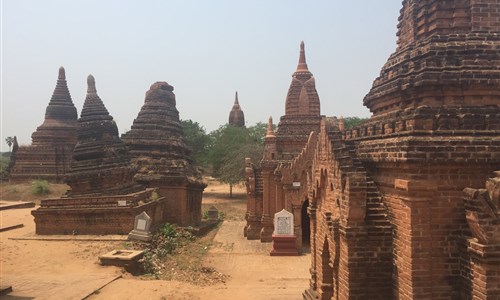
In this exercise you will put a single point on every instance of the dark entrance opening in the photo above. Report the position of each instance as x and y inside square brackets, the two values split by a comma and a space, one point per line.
[306, 225]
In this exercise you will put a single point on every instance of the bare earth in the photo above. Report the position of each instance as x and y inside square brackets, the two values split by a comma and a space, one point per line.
[69, 269]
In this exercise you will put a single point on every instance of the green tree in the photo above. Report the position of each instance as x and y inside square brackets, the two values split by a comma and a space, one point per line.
[350, 122]
[230, 146]
[9, 140]
[197, 139]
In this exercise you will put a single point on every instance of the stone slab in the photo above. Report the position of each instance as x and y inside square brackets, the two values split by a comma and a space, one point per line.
[14, 205]
[52, 286]
[11, 227]
[121, 257]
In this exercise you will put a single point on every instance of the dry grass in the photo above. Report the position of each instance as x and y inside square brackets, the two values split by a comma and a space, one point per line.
[23, 192]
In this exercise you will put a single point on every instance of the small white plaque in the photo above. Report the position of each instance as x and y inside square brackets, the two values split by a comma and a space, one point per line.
[122, 203]
[283, 223]
[141, 224]
[296, 184]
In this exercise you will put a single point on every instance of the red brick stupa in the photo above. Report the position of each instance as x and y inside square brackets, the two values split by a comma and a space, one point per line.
[49, 155]
[156, 143]
[104, 198]
[101, 162]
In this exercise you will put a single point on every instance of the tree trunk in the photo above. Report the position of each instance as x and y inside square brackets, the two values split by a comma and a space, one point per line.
[230, 190]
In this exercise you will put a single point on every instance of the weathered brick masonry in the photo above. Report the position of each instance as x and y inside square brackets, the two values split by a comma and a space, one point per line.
[388, 219]
[163, 160]
[49, 155]
[104, 197]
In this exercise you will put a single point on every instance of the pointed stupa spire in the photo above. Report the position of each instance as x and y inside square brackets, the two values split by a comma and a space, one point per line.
[62, 74]
[61, 105]
[270, 131]
[61, 95]
[93, 107]
[236, 105]
[302, 97]
[302, 66]
[91, 85]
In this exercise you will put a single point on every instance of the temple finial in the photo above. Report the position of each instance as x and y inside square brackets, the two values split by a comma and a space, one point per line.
[91, 84]
[236, 98]
[302, 66]
[270, 131]
[341, 123]
[62, 73]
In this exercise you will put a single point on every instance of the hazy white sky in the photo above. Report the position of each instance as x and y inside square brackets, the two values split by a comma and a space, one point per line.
[207, 50]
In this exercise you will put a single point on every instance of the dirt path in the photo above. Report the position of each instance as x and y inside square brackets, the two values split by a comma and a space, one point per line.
[69, 269]
[254, 275]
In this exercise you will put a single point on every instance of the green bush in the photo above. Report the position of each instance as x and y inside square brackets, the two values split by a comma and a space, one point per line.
[40, 187]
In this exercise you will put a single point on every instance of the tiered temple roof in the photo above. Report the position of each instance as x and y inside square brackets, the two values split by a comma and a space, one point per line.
[101, 162]
[49, 155]
[447, 55]
[156, 139]
[302, 111]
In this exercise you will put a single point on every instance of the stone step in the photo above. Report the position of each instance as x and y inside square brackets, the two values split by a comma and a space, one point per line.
[375, 216]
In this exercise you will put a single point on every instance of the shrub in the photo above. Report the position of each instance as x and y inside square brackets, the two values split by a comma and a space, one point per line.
[40, 187]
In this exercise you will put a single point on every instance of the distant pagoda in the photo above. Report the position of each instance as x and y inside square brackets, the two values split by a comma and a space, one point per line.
[236, 116]
[49, 155]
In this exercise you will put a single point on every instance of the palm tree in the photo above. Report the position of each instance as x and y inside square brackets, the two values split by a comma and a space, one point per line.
[9, 140]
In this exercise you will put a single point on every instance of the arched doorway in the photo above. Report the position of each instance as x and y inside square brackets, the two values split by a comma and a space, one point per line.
[306, 226]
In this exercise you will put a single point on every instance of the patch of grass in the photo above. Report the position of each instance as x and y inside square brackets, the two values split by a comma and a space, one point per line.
[4, 163]
[40, 187]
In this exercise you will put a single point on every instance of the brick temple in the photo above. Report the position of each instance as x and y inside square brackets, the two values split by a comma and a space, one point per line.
[265, 189]
[236, 115]
[162, 158]
[104, 197]
[405, 205]
[49, 155]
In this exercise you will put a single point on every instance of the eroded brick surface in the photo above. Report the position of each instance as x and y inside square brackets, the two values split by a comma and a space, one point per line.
[162, 158]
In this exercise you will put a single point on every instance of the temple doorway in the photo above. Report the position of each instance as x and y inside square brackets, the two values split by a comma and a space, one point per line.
[306, 227]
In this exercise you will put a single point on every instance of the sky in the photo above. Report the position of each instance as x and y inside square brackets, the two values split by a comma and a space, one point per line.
[207, 50]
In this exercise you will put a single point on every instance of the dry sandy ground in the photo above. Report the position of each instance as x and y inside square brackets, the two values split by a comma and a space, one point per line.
[69, 269]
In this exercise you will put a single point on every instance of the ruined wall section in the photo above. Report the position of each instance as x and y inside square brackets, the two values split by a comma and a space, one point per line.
[482, 211]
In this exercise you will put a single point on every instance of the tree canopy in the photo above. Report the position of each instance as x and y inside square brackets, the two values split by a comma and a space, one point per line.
[198, 140]
[230, 146]
[9, 140]
[224, 150]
